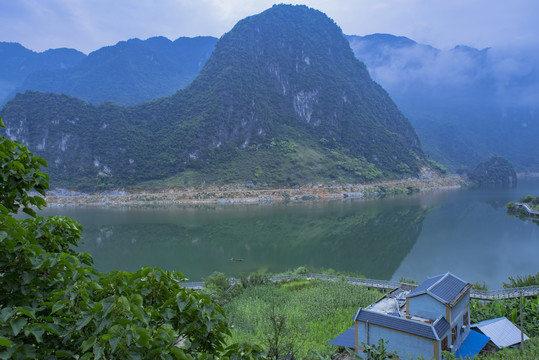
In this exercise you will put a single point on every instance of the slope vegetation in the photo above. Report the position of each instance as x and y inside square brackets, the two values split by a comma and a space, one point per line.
[282, 100]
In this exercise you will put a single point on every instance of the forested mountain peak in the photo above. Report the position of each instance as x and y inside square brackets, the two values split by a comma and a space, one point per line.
[282, 100]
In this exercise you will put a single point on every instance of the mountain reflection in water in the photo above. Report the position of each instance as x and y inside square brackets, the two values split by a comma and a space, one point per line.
[410, 236]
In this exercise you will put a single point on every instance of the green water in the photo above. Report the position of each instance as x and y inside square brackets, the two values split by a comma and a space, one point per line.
[466, 232]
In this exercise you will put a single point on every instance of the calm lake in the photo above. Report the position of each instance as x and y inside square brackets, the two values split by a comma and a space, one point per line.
[466, 232]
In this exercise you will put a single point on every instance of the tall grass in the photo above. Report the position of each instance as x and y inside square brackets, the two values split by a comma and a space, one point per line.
[316, 312]
[520, 281]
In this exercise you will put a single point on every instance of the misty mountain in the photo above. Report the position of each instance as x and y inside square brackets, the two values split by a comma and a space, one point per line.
[129, 72]
[17, 62]
[466, 104]
[281, 100]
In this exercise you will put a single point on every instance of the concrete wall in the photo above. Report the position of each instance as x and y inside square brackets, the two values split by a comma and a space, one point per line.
[409, 346]
[459, 307]
[457, 313]
[426, 306]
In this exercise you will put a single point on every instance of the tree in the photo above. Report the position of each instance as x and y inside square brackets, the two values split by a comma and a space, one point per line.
[54, 304]
[279, 340]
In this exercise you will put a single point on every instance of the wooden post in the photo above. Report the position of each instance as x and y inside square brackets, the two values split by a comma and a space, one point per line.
[521, 322]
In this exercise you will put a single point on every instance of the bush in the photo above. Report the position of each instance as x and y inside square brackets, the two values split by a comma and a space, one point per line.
[525, 280]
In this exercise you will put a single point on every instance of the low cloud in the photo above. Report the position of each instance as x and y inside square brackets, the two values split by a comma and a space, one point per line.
[506, 76]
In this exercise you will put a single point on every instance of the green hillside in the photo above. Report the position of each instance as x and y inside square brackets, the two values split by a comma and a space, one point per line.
[281, 101]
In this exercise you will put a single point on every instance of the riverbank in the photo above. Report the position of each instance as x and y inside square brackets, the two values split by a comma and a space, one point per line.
[240, 194]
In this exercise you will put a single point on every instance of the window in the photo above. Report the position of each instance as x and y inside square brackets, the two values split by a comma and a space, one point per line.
[444, 344]
[454, 335]
[465, 319]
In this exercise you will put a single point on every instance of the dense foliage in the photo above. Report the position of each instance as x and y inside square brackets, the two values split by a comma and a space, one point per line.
[510, 309]
[521, 281]
[281, 101]
[496, 171]
[55, 304]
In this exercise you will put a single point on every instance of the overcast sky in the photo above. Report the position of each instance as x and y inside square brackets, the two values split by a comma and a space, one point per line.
[90, 24]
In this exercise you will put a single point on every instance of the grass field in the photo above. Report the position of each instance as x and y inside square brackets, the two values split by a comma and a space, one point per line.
[307, 314]
[315, 312]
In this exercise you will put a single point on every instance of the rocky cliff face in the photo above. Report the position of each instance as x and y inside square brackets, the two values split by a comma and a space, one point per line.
[282, 100]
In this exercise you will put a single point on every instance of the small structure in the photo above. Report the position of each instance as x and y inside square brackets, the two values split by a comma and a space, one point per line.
[472, 345]
[502, 332]
[434, 316]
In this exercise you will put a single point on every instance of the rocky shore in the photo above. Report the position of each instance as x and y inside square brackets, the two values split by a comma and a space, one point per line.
[241, 194]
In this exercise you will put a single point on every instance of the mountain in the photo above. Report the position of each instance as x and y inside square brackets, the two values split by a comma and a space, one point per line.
[281, 101]
[129, 72]
[466, 104]
[496, 171]
[17, 62]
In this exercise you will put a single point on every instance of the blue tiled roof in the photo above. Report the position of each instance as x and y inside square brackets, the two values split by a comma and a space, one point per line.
[346, 339]
[422, 288]
[397, 323]
[445, 288]
[441, 326]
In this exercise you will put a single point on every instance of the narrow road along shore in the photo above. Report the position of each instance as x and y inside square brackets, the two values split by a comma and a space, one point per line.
[240, 194]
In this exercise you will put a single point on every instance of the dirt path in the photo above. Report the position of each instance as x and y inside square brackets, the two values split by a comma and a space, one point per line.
[238, 194]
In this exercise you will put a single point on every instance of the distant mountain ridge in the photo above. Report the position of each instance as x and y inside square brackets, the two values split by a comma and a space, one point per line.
[127, 73]
[466, 104]
[17, 62]
[281, 101]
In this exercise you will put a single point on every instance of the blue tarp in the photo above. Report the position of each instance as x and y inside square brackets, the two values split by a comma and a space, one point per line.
[472, 345]
[346, 339]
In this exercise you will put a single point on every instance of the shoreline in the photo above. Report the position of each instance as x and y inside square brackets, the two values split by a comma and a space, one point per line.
[240, 194]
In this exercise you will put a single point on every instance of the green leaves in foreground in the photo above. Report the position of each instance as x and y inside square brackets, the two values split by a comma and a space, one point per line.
[53, 304]
[21, 173]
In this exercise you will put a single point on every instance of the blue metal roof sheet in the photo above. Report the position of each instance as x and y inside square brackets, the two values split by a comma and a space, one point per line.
[501, 331]
[472, 345]
[445, 287]
[397, 323]
[346, 339]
